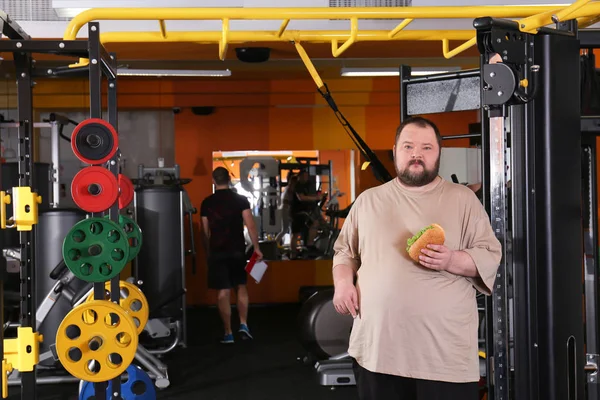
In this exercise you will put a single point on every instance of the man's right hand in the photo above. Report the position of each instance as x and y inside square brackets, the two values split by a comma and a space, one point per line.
[345, 299]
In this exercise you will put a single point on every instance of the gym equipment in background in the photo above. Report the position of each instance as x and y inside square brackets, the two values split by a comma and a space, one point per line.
[325, 335]
[161, 205]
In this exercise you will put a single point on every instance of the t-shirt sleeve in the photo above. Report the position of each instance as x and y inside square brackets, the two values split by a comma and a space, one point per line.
[244, 203]
[203, 209]
[346, 250]
[483, 246]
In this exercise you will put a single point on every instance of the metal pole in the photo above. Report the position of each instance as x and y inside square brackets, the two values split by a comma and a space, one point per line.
[55, 148]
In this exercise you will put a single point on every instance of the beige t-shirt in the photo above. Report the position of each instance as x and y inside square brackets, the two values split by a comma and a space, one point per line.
[413, 321]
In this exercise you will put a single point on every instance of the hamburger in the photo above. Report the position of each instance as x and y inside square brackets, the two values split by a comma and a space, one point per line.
[431, 234]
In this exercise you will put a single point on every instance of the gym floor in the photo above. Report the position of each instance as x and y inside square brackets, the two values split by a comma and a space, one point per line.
[265, 368]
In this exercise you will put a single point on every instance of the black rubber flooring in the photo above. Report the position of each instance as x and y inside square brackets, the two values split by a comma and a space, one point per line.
[265, 368]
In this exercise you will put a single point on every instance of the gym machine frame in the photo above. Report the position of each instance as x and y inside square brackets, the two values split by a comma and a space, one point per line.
[585, 13]
[535, 326]
[102, 64]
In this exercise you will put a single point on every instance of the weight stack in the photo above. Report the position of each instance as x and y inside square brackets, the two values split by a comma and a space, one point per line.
[53, 226]
[160, 265]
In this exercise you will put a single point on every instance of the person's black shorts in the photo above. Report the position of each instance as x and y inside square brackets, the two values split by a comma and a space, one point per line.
[300, 223]
[375, 386]
[226, 270]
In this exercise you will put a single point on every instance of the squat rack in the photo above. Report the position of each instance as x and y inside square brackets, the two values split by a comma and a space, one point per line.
[102, 65]
[531, 22]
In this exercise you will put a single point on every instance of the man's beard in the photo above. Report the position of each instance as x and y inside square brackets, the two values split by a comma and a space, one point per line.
[420, 178]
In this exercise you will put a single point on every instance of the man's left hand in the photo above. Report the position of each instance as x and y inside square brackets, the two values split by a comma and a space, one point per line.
[436, 257]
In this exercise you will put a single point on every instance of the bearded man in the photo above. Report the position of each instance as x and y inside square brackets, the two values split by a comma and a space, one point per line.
[415, 331]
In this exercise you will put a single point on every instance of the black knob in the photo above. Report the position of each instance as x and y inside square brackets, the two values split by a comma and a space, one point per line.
[93, 140]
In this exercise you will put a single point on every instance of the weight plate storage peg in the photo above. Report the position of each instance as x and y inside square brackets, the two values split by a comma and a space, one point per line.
[132, 300]
[94, 189]
[134, 235]
[96, 249]
[126, 188]
[138, 386]
[94, 141]
[96, 341]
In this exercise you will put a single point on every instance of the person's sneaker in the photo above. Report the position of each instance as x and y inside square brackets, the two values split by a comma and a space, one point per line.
[227, 339]
[245, 332]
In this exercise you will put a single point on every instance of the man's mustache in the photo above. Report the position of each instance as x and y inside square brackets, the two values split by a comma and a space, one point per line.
[416, 162]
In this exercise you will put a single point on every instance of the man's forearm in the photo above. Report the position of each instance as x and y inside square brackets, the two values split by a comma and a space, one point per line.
[254, 237]
[462, 264]
[343, 274]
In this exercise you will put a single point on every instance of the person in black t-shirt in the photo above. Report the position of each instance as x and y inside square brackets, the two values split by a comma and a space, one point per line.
[302, 203]
[224, 214]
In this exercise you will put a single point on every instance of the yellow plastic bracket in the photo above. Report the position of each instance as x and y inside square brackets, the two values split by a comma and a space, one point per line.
[6, 369]
[21, 353]
[4, 201]
[25, 208]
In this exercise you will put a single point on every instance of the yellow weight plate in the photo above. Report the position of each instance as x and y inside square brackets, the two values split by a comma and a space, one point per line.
[96, 341]
[132, 300]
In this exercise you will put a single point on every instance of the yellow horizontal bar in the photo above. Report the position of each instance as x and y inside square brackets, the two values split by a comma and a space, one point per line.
[308, 13]
[287, 36]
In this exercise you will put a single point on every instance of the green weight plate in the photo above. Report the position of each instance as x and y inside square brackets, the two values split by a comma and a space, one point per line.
[134, 235]
[96, 249]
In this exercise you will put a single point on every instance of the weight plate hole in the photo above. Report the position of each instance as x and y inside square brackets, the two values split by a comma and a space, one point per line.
[93, 367]
[74, 354]
[73, 332]
[78, 236]
[136, 322]
[96, 228]
[89, 317]
[27, 208]
[74, 254]
[105, 269]
[86, 269]
[28, 349]
[128, 227]
[138, 388]
[133, 242]
[124, 293]
[123, 339]
[114, 236]
[112, 320]
[114, 360]
[118, 254]
[136, 305]
[95, 343]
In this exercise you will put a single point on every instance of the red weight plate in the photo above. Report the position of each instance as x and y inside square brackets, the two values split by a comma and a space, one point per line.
[107, 127]
[126, 195]
[94, 189]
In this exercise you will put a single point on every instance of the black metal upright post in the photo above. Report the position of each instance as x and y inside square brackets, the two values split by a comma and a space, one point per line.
[95, 80]
[113, 212]
[23, 67]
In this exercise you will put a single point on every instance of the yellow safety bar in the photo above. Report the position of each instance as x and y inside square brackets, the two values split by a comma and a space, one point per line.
[530, 18]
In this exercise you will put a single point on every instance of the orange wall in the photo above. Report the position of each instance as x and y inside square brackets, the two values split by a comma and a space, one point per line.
[370, 106]
[259, 115]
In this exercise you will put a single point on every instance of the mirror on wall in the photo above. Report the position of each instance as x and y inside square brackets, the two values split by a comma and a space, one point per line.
[297, 197]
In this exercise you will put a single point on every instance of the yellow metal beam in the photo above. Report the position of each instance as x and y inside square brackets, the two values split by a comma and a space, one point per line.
[337, 13]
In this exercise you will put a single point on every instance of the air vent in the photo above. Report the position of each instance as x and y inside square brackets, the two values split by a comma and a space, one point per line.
[370, 3]
[30, 10]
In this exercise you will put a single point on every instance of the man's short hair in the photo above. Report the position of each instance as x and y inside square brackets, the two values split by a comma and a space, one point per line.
[221, 176]
[422, 123]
